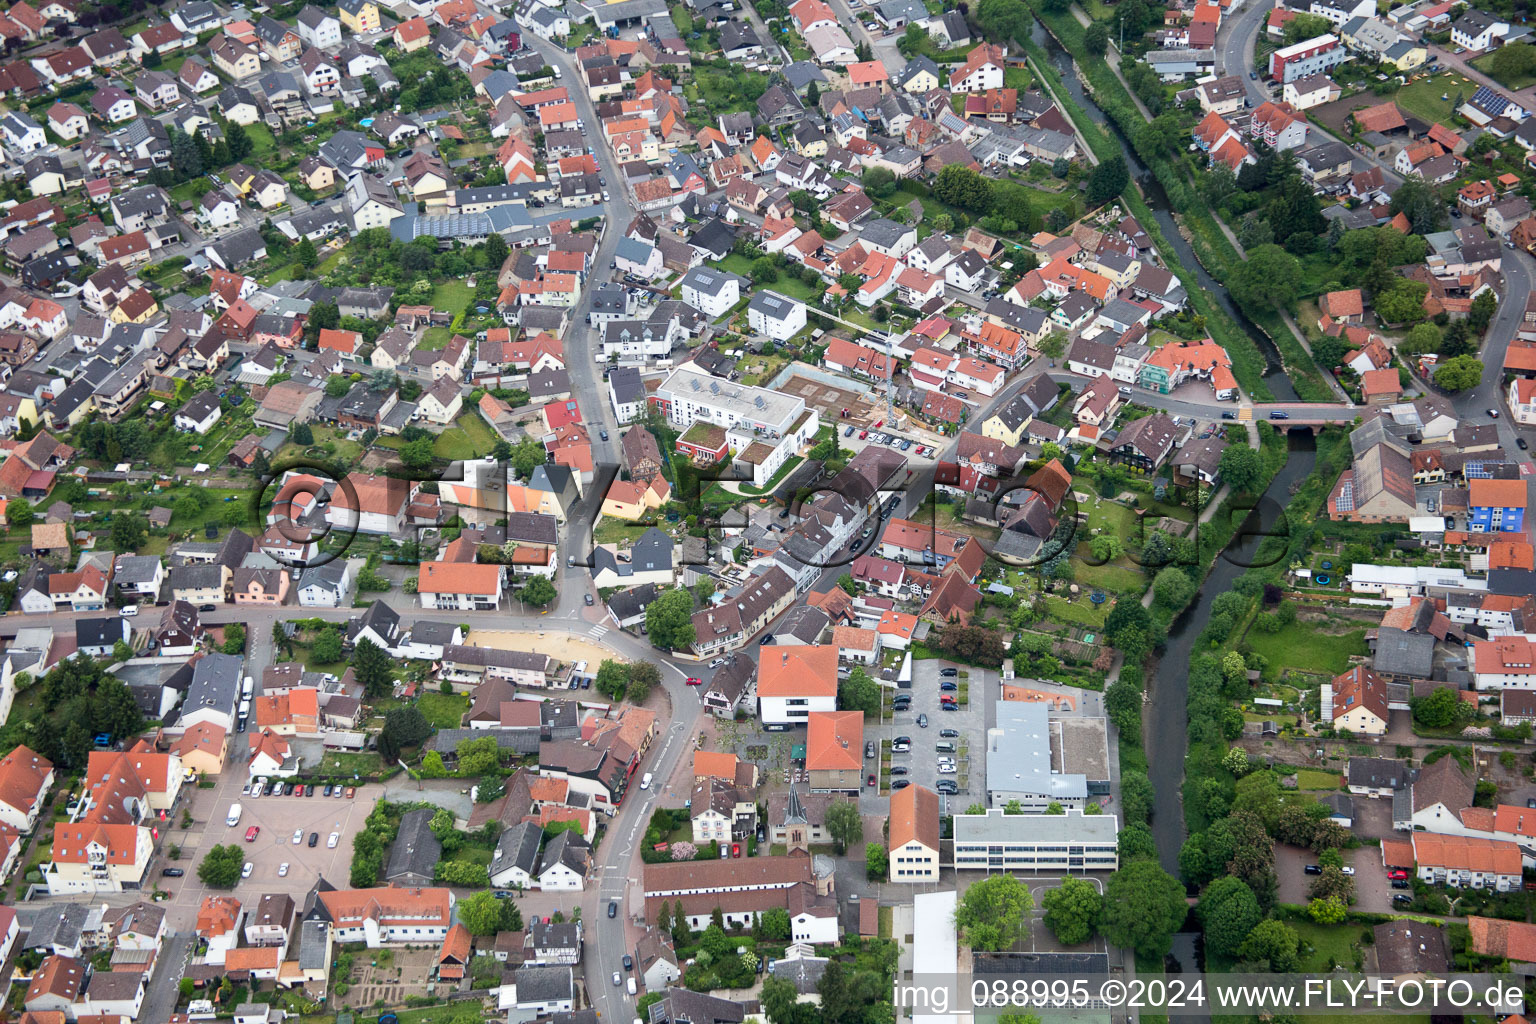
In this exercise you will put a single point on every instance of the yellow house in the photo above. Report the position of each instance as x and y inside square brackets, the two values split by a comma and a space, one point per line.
[922, 82]
[240, 177]
[360, 16]
[1358, 702]
[1008, 424]
[16, 410]
[1406, 58]
[137, 307]
[202, 748]
[1120, 269]
[630, 499]
[816, 146]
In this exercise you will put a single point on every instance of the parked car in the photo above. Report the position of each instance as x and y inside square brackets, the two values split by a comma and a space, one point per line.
[695, 681]
[922, 721]
[245, 872]
[949, 686]
[898, 769]
[950, 734]
[1400, 883]
[252, 832]
[314, 839]
[332, 840]
[589, 600]
[946, 786]
[1313, 869]
[949, 673]
[900, 784]
[871, 781]
[869, 748]
[282, 870]
[173, 872]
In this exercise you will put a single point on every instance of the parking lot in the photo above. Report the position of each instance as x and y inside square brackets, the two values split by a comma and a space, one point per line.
[920, 448]
[277, 817]
[1373, 891]
[969, 722]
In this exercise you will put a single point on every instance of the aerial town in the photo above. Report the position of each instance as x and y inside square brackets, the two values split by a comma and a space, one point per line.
[698, 512]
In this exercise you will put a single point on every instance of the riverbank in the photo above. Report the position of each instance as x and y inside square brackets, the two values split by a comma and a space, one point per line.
[1198, 225]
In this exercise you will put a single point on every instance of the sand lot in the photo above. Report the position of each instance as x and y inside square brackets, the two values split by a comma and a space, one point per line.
[558, 645]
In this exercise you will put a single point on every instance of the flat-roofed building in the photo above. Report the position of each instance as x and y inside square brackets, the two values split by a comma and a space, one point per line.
[995, 841]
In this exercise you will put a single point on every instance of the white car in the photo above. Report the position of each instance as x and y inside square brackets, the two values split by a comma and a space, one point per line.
[245, 872]
[298, 836]
[282, 870]
[330, 843]
[1347, 869]
[128, 611]
[947, 769]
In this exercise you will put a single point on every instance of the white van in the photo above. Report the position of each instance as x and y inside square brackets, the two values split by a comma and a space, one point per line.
[128, 611]
[234, 816]
[248, 688]
[645, 781]
[631, 986]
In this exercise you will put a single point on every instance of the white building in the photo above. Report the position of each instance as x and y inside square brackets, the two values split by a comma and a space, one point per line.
[710, 291]
[1070, 842]
[777, 316]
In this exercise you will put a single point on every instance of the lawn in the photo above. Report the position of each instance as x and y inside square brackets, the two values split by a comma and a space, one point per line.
[1485, 65]
[443, 710]
[617, 531]
[263, 144]
[1422, 98]
[434, 339]
[1329, 943]
[452, 296]
[1016, 78]
[1303, 647]
[1308, 778]
[1081, 611]
[470, 437]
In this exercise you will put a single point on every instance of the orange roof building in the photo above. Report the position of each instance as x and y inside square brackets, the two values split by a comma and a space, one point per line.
[794, 681]
[914, 835]
[1474, 863]
[714, 764]
[834, 749]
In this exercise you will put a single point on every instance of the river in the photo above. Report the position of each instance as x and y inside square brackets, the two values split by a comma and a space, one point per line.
[1274, 376]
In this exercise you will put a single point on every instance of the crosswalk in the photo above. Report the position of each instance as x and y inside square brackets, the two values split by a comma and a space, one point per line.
[597, 631]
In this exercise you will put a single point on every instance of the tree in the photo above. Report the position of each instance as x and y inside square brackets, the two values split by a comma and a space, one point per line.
[129, 531]
[1269, 277]
[1486, 303]
[20, 513]
[1096, 39]
[778, 996]
[495, 251]
[643, 678]
[327, 646]
[1306, 26]
[962, 187]
[1072, 910]
[1438, 710]
[612, 678]
[221, 867]
[1136, 841]
[1418, 200]
[234, 638]
[403, 727]
[374, 669]
[1459, 374]
[481, 913]
[1228, 912]
[336, 386]
[993, 914]
[1236, 759]
[1512, 63]
[417, 454]
[1403, 302]
[1327, 911]
[527, 456]
[844, 824]
[859, 693]
[1143, 908]
[538, 592]
[669, 620]
[1172, 587]
[1107, 180]
[1275, 942]
[239, 141]
[1423, 338]
[876, 862]
[304, 254]
[775, 925]
[1240, 468]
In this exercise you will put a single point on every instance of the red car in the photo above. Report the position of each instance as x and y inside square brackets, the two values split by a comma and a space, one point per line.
[252, 832]
[872, 781]
[863, 434]
[1397, 874]
[947, 698]
[735, 849]
[692, 681]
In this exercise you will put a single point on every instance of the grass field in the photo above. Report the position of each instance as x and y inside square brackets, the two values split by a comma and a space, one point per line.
[1335, 942]
[443, 710]
[1302, 647]
[1315, 780]
[1422, 98]
[470, 437]
[1081, 611]
[452, 296]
